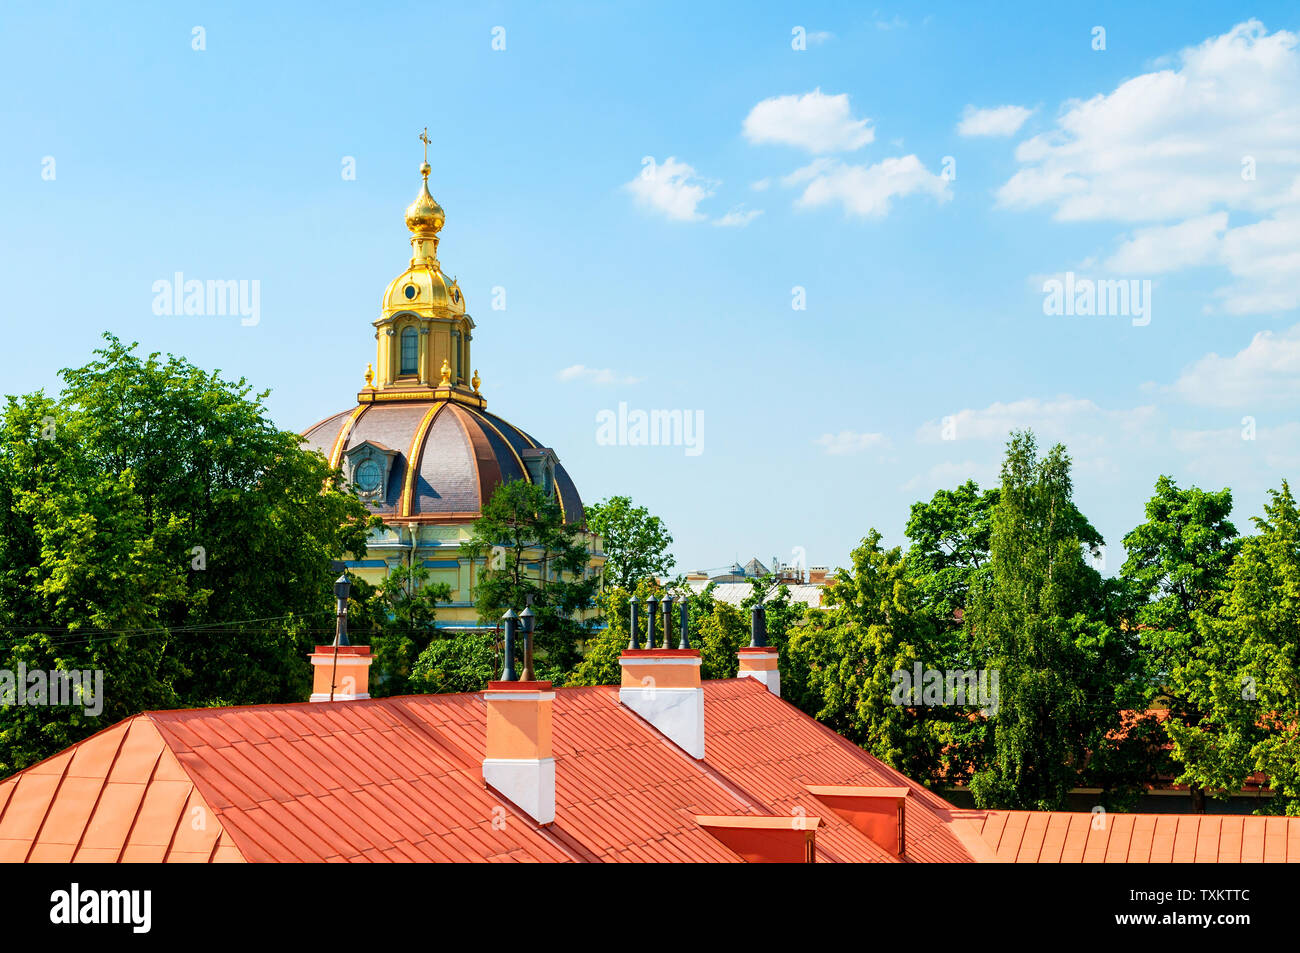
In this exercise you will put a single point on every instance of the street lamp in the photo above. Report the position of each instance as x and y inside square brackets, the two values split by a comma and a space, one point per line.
[341, 589]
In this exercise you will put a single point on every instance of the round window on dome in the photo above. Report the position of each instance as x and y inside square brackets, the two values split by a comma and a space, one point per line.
[368, 475]
[410, 291]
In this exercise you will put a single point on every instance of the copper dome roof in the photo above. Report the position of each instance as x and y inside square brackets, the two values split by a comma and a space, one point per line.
[446, 458]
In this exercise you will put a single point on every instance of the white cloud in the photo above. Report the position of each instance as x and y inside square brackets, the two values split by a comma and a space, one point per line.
[1163, 248]
[864, 190]
[815, 122]
[1170, 144]
[949, 474]
[738, 217]
[997, 121]
[1237, 456]
[850, 441]
[1076, 420]
[1265, 373]
[592, 375]
[1214, 136]
[672, 189]
[819, 37]
[1264, 258]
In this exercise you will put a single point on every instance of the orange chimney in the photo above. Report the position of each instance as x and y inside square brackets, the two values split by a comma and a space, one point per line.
[340, 673]
[518, 763]
[761, 663]
[878, 812]
[663, 687]
[759, 660]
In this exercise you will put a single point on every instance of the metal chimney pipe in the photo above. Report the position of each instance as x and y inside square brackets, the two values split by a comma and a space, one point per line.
[757, 627]
[528, 621]
[342, 586]
[652, 605]
[685, 611]
[635, 641]
[508, 670]
[667, 604]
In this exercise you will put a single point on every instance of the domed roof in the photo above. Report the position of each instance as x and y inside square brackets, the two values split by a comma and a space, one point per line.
[425, 290]
[440, 460]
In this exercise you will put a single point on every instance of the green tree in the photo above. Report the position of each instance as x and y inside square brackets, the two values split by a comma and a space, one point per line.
[463, 662]
[1042, 623]
[950, 548]
[158, 527]
[851, 650]
[719, 631]
[635, 543]
[398, 619]
[1243, 670]
[531, 556]
[599, 665]
[1177, 570]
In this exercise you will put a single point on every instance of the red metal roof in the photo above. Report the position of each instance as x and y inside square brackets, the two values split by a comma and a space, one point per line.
[773, 750]
[1048, 837]
[120, 795]
[400, 779]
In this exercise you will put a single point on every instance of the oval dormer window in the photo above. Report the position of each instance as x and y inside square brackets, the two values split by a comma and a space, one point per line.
[410, 292]
[368, 476]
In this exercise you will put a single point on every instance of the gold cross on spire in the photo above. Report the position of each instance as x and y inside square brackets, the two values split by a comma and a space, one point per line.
[424, 137]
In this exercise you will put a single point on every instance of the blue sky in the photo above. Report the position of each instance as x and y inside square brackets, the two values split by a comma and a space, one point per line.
[663, 289]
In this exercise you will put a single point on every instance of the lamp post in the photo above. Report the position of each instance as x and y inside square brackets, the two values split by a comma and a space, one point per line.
[341, 589]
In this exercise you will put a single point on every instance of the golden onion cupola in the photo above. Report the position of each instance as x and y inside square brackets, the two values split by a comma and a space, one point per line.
[423, 334]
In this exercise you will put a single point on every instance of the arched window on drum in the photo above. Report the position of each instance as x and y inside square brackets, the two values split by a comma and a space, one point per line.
[410, 352]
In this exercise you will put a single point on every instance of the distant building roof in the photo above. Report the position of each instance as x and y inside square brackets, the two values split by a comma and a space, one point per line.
[735, 593]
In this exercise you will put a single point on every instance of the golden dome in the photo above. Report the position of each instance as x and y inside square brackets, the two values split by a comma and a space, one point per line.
[423, 289]
[424, 216]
